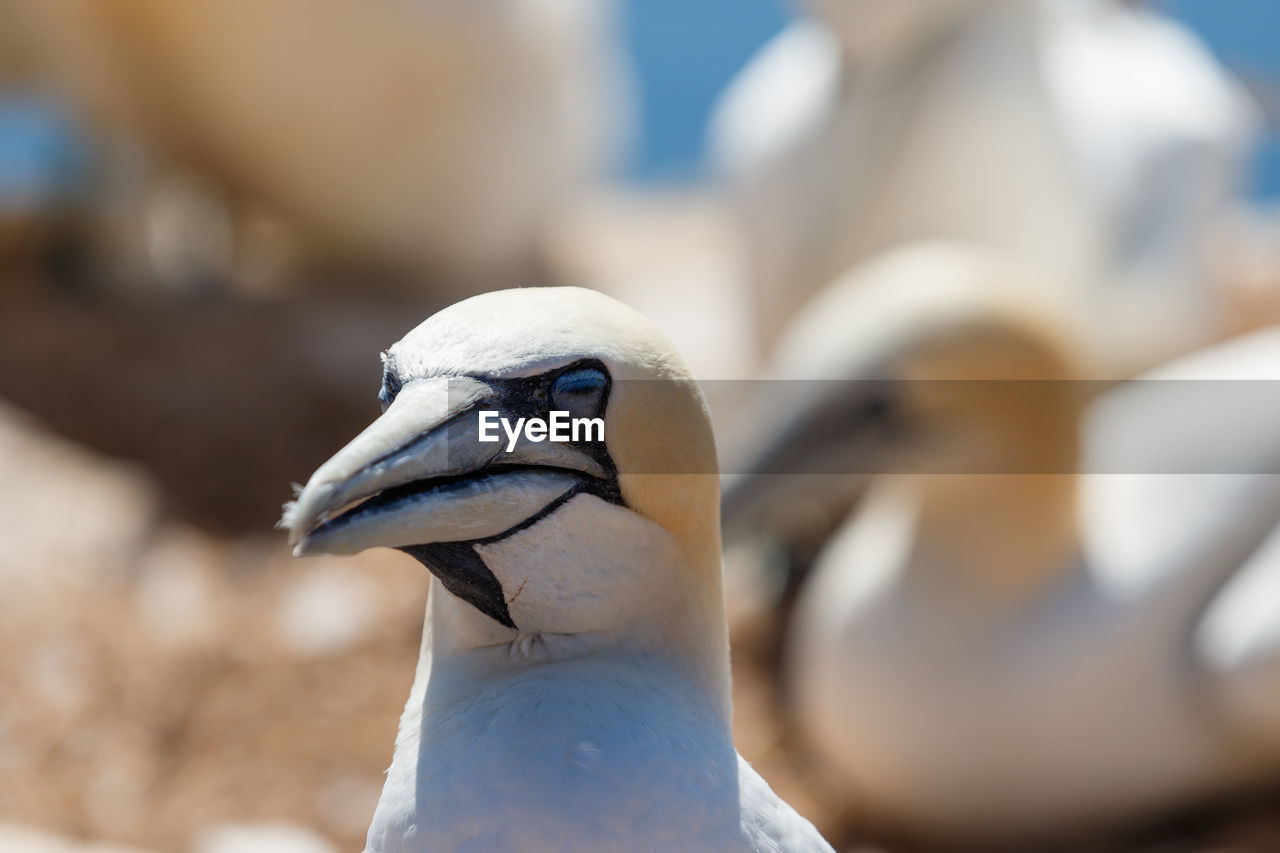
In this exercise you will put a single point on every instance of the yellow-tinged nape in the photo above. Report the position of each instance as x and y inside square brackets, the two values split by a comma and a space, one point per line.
[938, 323]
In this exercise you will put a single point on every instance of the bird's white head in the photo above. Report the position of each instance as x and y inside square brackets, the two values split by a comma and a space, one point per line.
[936, 362]
[883, 32]
[600, 541]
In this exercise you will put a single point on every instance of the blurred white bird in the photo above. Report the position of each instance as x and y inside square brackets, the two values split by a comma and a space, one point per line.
[1086, 137]
[992, 645]
[431, 134]
[573, 688]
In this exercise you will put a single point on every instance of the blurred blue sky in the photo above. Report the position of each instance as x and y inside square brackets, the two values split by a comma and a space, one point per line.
[42, 158]
[685, 52]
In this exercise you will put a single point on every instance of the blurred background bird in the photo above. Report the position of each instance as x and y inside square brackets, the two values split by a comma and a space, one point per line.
[210, 214]
[426, 137]
[990, 646]
[1027, 126]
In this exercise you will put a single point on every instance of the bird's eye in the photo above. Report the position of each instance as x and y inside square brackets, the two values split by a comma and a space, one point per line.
[580, 392]
[878, 406]
[390, 388]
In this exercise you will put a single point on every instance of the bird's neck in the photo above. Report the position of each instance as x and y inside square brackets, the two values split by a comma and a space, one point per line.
[619, 588]
[492, 706]
[454, 673]
[992, 541]
[998, 23]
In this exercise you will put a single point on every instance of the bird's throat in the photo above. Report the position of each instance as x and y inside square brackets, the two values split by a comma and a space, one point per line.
[464, 574]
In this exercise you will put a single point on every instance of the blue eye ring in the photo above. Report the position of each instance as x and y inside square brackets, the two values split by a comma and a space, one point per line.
[580, 380]
[581, 389]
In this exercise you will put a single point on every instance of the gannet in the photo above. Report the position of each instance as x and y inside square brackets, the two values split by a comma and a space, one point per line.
[992, 645]
[573, 688]
[429, 134]
[1086, 137]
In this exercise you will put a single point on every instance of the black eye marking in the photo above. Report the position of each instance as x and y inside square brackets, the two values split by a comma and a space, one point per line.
[580, 391]
[390, 384]
[877, 406]
[581, 388]
[851, 413]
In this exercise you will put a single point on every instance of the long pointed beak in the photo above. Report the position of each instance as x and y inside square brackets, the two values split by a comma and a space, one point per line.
[807, 471]
[420, 475]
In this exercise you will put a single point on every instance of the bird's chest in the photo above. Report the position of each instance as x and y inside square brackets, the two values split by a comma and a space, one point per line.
[557, 766]
[1052, 710]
